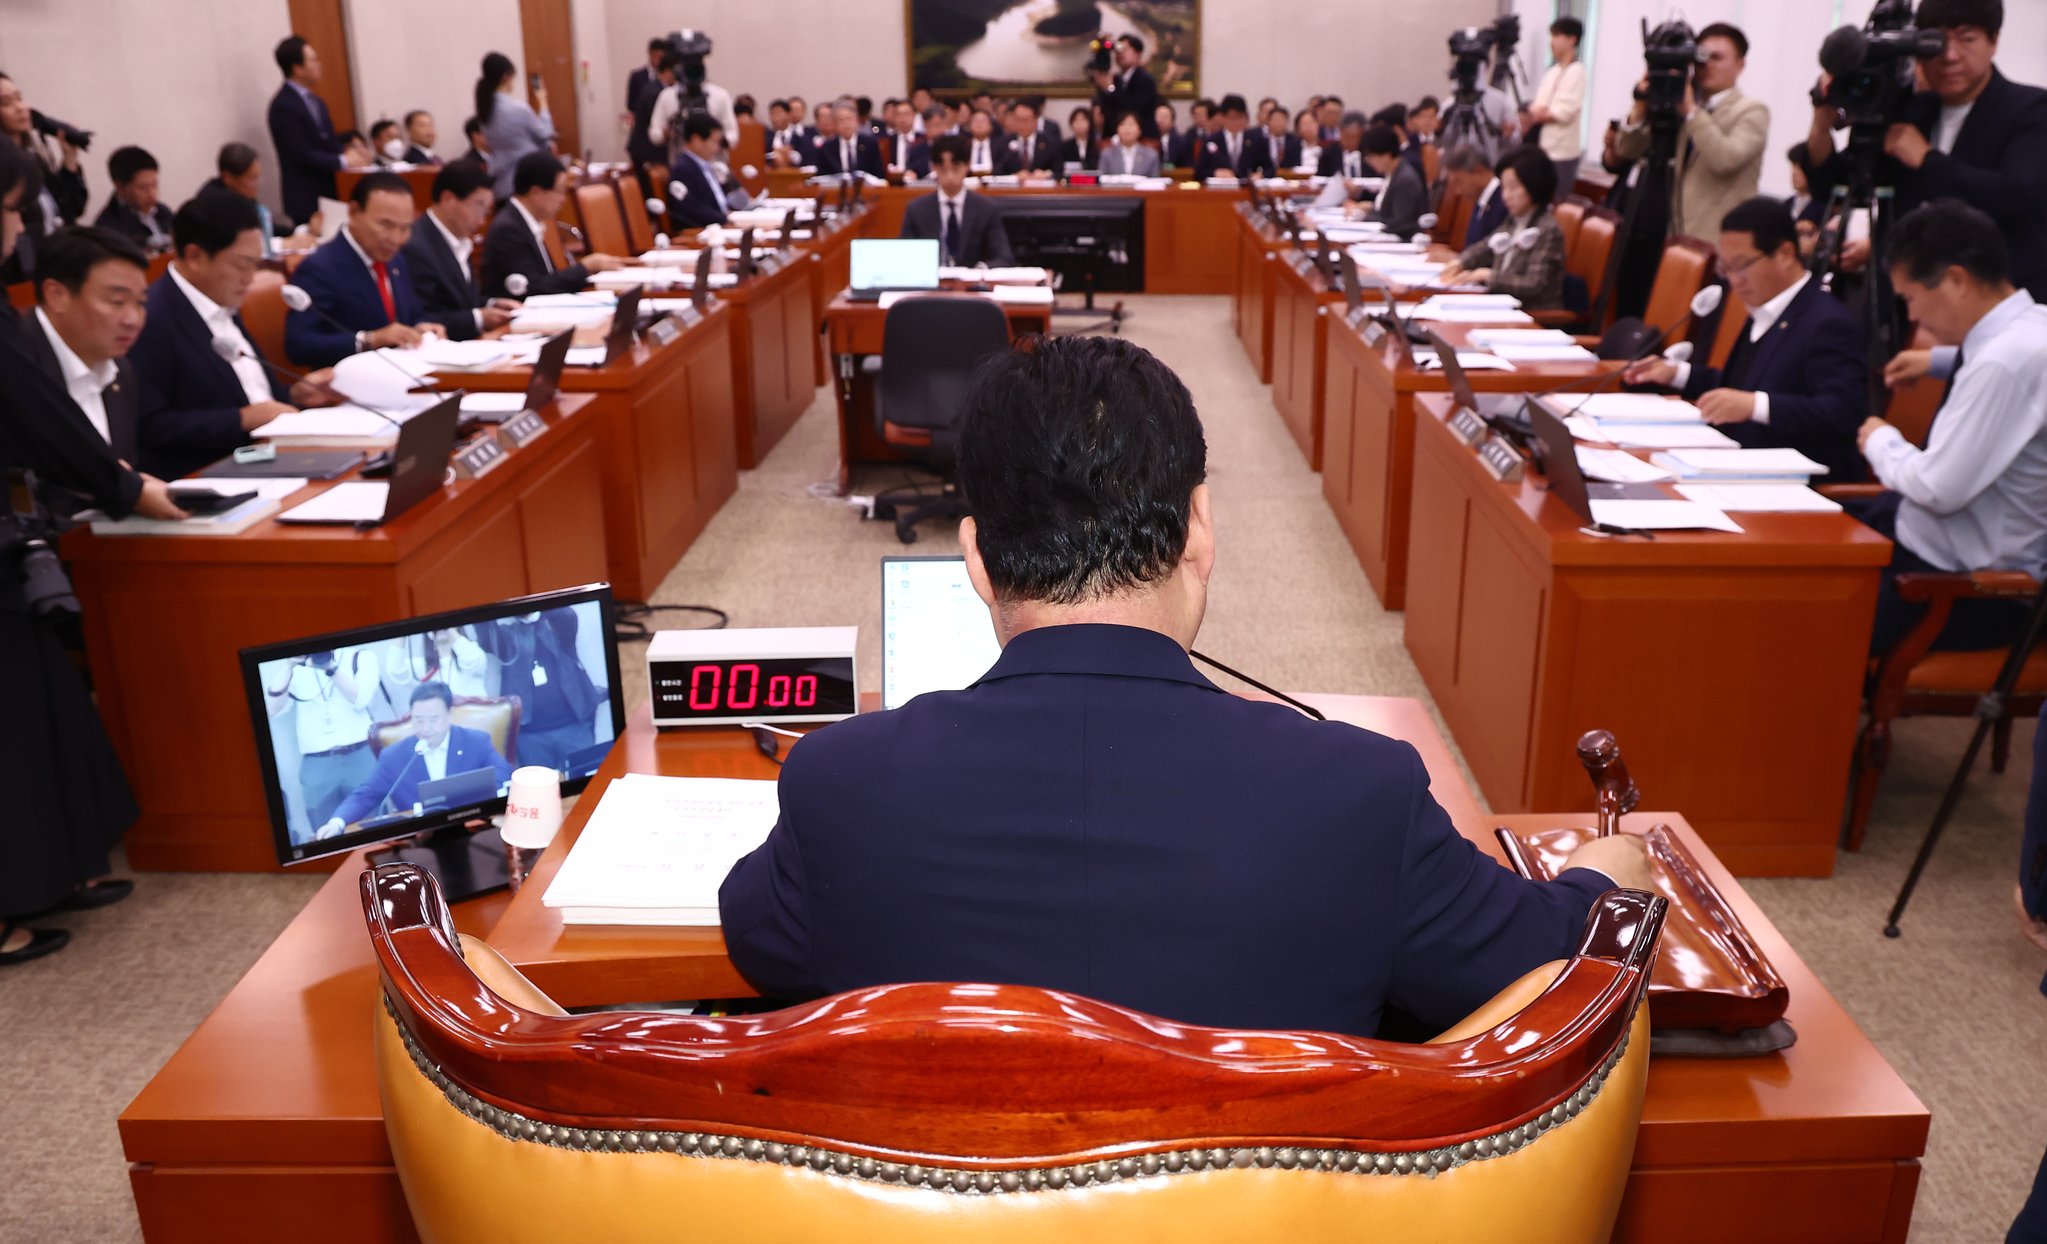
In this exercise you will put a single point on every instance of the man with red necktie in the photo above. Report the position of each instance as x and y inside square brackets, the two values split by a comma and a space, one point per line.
[362, 298]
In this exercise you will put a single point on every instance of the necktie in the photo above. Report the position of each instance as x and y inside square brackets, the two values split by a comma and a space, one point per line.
[1947, 392]
[1234, 148]
[980, 155]
[950, 234]
[384, 292]
[846, 156]
[1350, 164]
[1028, 147]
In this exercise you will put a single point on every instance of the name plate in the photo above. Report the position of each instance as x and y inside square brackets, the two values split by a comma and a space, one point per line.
[691, 317]
[1358, 315]
[521, 429]
[1375, 332]
[662, 332]
[1301, 262]
[769, 264]
[478, 458]
[1501, 460]
[1467, 426]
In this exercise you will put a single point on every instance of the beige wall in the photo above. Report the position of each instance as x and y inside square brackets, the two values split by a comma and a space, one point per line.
[425, 54]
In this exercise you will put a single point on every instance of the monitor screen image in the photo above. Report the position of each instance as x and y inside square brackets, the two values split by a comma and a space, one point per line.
[389, 731]
[935, 632]
[895, 263]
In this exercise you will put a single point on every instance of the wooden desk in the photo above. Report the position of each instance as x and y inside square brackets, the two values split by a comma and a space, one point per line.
[854, 330]
[1303, 317]
[165, 617]
[265, 1125]
[1729, 666]
[1368, 440]
[663, 424]
[1251, 306]
[774, 352]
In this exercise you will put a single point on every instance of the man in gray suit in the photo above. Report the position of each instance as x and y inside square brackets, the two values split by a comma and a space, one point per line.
[1403, 198]
[90, 287]
[1720, 148]
[1129, 155]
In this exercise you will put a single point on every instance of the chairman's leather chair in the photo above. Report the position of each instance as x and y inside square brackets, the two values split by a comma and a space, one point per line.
[930, 346]
[603, 220]
[496, 716]
[994, 1113]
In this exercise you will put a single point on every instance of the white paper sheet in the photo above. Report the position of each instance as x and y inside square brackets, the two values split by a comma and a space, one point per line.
[1750, 462]
[1650, 435]
[1663, 516]
[493, 403]
[1426, 359]
[1633, 408]
[356, 501]
[1756, 498]
[657, 848]
[1617, 467]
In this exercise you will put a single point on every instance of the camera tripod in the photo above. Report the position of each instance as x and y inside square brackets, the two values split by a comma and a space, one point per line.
[1464, 121]
[1882, 316]
[1654, 185]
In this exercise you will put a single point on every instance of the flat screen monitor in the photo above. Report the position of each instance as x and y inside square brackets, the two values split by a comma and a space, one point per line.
[895, 263]
[388, 731]
[935, 632]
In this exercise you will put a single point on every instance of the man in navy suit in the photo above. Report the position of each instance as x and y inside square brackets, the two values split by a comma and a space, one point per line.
[849, 141]
[1798, 375]
[1469, 175]
[696, 197]
[905, 152]
[437, 749]
[204, 386]
[1028, 155]
[516, 242]
[308, 153]
[967, 226]
[1235, 150]
[361, 291]
[439, 254]
[1093, 814]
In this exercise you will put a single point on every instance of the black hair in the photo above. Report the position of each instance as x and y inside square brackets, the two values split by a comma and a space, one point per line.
[380, 125]
[235, 159]
[212, 221]
[1801, 155]
[69, 255]
[1730, 32]
[538, 170]
[1168, 106]
[346, 137]
[415, 115]
[1536, 172]
[863, 106]
[471, 128]
[1234, 103]
[1027, 102]
[1085, 110]
[1206, 104]
[19, 170]
[1132, 42]
[1570, 26]
[461, 179]
[1765, 219]
[496, 68]
[126, 162]
[379, 183]
[955, 146]
[1948, 14]
[1079, 456]
[290, 54]
[1427, 103]
[657, 44]
[1358, 119]
[743, 106]
[700, 125]
[1332, 99]
[1948, 233]
[1394, 115]
[432, 689]
[783, 104]
[1379, 140]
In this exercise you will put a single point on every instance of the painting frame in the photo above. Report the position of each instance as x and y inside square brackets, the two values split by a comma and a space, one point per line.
[933, 43]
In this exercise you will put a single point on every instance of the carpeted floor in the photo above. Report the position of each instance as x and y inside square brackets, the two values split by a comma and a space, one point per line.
[1954, 1005]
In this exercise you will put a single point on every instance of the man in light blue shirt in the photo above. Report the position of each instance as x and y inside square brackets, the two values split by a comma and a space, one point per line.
[1976, 497]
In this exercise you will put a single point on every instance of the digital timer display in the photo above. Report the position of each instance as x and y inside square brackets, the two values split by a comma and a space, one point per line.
[764, 688]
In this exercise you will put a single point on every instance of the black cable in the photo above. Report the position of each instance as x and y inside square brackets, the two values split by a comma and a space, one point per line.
[629, 619]
[1240, 676]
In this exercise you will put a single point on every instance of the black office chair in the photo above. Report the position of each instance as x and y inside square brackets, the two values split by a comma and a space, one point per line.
[929, 349]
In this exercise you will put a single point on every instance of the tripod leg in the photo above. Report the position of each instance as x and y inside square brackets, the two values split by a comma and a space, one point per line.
[1933, 831]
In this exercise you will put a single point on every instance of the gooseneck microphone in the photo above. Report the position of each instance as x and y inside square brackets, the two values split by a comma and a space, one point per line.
[230, 351]
[1703, 304]
[299, 300]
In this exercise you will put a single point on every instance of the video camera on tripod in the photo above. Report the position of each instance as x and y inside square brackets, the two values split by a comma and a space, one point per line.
[1671, 52]
[1870, 69]
[690, 48]
[1471, 47]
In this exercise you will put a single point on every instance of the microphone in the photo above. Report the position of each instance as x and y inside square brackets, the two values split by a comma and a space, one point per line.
[299, 300]
[1844, 50]
[1704, 303]
[516, 285]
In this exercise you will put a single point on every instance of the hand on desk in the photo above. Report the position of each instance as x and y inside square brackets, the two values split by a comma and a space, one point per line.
[330, 829]
[1659, 371]
[404, 336]
[155, 501]
[599, 262]
[495, 315]
[1620, 857]
[316, 388]
[1728, 406]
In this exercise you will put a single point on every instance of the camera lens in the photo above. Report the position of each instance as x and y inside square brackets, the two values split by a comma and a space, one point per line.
[45, 588]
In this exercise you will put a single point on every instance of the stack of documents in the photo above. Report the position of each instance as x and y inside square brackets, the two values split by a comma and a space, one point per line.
[332, 427]
[526, 351]
[474, 355]
[1426, 359]
[657, 848]
[1727, 466]
[996, 276]
[545, 320]
[1632, 435]
[1616, 466]
[352, 501]
[1625, 408]
[1532, 345]
[494, 403]
[1470, 309]
[1754, 498]
[1026, 295]
[1663, 516]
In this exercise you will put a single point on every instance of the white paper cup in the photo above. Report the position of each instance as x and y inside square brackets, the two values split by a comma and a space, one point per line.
[533, 810]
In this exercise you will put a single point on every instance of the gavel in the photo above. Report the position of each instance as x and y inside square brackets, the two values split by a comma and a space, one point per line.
[1615, 793]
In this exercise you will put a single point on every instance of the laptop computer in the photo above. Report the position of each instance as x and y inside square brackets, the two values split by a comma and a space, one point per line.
[881, 265]
[419, 465]
[1493, 405]
[1558, 454]
[625, 321]
[540, 388]
[935, 632]
[456, 789]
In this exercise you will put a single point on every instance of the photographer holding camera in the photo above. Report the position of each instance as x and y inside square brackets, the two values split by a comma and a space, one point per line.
[1975, 135]
[58, 150]
[1720, 138]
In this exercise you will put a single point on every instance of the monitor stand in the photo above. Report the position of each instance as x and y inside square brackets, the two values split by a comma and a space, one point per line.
[466, 863]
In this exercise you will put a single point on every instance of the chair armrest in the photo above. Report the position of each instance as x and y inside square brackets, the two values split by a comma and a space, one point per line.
[1939, 592]
[1555, 317]
[1589, 340]
[1975, 585]
[1849, 492]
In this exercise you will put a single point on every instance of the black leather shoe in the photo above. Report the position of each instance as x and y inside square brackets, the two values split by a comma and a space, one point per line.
[40, 942]
[103, 893]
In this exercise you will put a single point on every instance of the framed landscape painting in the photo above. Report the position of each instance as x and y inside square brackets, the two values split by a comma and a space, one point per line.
[1024, 46]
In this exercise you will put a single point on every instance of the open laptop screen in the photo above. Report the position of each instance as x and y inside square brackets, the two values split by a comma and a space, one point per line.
[895, 263]
[935, 632]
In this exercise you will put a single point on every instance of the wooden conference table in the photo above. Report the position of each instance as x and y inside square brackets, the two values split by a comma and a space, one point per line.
[265, 1125]
[1729, 666]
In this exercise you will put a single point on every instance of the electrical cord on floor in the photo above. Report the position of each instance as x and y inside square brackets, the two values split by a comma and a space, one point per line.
[630, 619]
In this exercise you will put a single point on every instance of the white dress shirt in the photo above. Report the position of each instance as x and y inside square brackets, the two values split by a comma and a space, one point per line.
[1353, 163]
[1562, 92]
[326, 718]
[1761, 320]
[538, 230]
[433, 757]
[87, 385]
[221, 323]
[1976, 497]
[461, 247]
[983, 155]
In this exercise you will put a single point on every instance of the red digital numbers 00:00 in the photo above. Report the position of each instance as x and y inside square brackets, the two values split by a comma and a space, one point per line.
[738, 688]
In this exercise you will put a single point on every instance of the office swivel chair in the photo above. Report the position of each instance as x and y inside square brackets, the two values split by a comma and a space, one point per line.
[929, 349]
[1001, 1114]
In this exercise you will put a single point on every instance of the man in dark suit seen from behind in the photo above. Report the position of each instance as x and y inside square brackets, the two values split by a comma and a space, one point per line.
[516, 243]
[90, 287]
[205, 385]
[1402, 198]
[1127, 86]
[1028, 155]
[696, 195]
[136, 211]
[1798, 376]
[309, 153]
[966, 225]
[1977, 136]
[1469, 175]
[1234, 151]
[641, 83]
[851, 147]
[361, 292]
[438, 255]
[1093, 815]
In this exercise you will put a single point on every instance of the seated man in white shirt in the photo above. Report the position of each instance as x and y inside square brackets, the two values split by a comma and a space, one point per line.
[89, 286]
[1976, 497]
[204, 386]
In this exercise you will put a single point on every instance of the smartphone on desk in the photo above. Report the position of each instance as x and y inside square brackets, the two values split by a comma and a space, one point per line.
[205, 501]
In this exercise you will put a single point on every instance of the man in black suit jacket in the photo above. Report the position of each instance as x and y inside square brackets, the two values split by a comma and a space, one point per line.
[795, 144]
[642, 82]
[1468, 174]
[514, 245]
[1976, 136]
[905, 152]
[696, 196]
[1092, 814]
[1234, 150]
[967, 226]
[1199, 130]
[135, 211]
[1128, 87]
[205, 385]
[850, 138]
[1280, 138]
[1797, 377]
[308, 153]
[420, 137]
[1343, 157]
[1028, 154]
[89, 290]
[438, 255]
